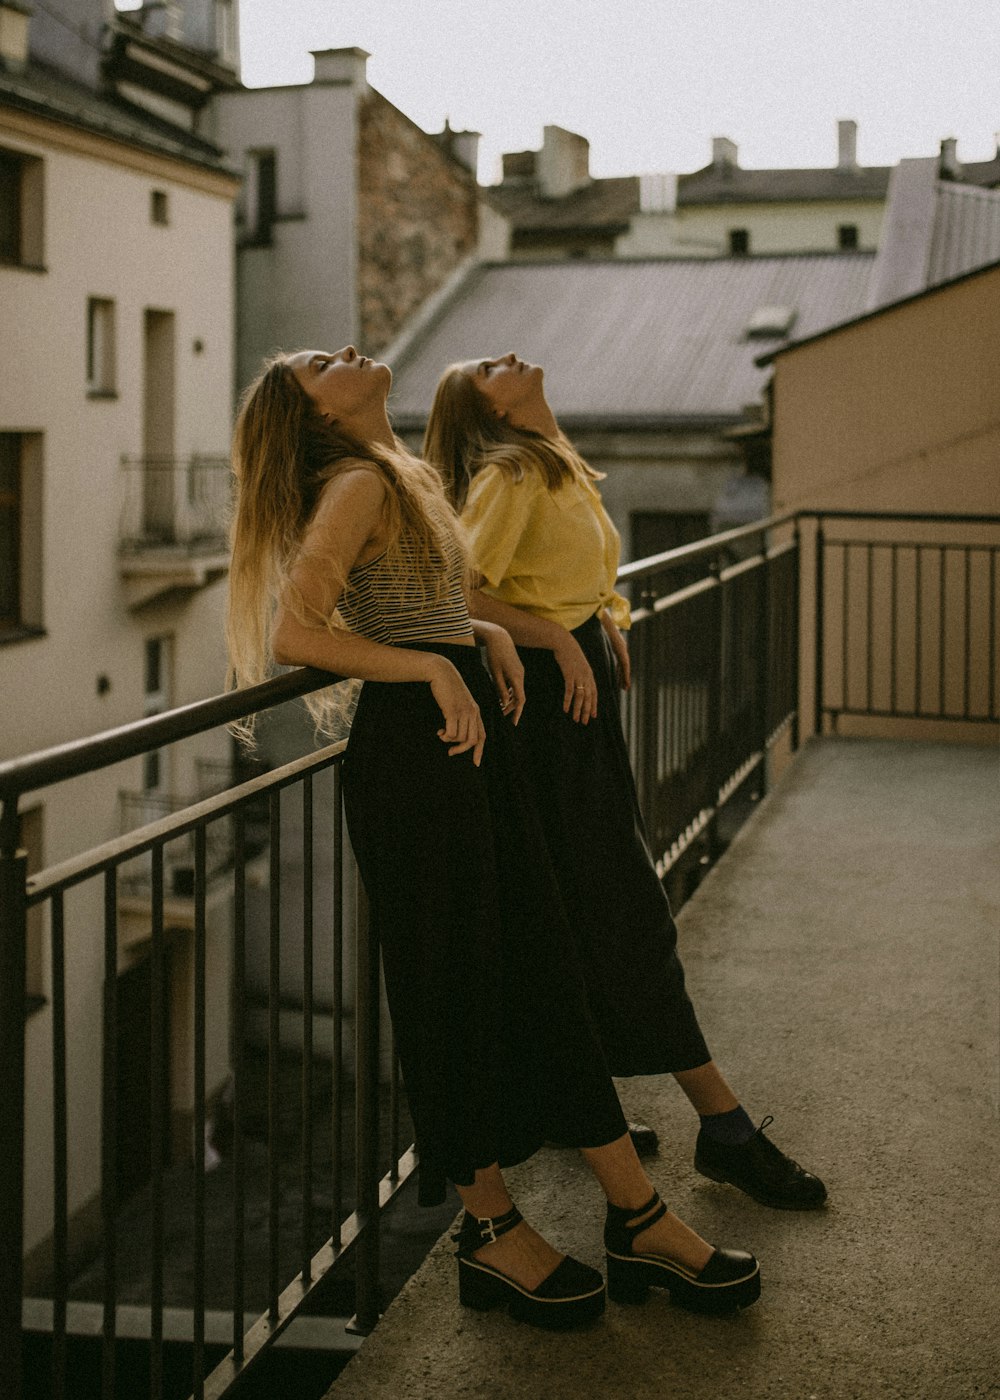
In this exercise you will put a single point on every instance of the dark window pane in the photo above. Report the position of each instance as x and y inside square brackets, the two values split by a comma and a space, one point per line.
[847, 236]
[739, 240]
[10, 529]
[154, 658]
[10, 207]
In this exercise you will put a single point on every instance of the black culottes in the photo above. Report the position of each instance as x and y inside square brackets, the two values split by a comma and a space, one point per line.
[625, 935]
[498, 1047]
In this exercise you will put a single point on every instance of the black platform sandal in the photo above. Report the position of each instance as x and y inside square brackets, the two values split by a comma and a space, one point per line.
[572, 1295]
[729, 1281]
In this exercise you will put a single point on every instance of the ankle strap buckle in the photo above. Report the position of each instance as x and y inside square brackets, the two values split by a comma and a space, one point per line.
[486, 1231]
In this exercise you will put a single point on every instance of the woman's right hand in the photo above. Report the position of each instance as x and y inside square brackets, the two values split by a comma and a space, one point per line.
[463, 724]
[580, 695]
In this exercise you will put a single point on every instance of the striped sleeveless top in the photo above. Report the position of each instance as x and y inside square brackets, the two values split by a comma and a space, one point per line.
[386, 606]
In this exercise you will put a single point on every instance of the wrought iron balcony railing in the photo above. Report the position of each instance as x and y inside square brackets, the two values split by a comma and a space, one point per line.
[175, 504]
[792, 622]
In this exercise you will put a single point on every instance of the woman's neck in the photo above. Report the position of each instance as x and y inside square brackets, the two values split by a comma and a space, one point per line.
[536, 417]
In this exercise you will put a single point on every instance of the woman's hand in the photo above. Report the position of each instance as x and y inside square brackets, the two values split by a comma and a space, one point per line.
[620, 648]
[463, 724]
[580, 696]
[505, 666]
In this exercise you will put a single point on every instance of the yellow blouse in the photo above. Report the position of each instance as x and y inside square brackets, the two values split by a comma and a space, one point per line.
[553, 553]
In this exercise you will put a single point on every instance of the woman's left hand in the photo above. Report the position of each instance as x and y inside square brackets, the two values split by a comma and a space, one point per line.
[505, 667]
[620, 648]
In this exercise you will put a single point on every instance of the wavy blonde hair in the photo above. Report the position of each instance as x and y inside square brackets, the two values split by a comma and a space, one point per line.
[463, 436]
[283, 454]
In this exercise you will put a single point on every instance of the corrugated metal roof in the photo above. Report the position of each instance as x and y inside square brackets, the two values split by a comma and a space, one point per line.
[652, 340]
[602, 204]
[966, 231]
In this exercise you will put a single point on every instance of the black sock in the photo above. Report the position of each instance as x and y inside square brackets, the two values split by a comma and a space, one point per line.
[732, 1128]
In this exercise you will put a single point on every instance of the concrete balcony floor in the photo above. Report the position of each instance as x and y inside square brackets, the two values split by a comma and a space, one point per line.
[843, 958]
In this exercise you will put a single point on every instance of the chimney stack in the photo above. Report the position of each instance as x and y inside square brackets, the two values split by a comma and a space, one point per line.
[725, 155]
[948, 167]
[463, 145]
[847, 145]
[15, 18]
[563, 162]
[342, 67]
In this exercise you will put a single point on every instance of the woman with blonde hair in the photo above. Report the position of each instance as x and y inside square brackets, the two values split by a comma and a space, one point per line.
[346, 556]
[546, 554]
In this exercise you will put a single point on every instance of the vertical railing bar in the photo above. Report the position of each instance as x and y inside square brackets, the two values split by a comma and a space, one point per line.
[991, 698]
[337, 1048]
[818, 659]
[795, 628]
[942, 622]
[198, 1145]
[870, 615]
[60, 1151]
[13, 988]
[109, 1130]
[892, 630]
[966, 683]
[918, 627]
[845, 627]
[273, 1055]
[238, 1062]
[307, 1025]
[158, 1120]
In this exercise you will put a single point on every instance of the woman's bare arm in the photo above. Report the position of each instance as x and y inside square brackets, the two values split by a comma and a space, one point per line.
[580, 694]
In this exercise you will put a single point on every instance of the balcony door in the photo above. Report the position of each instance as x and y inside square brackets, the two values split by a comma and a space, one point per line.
[158, 425]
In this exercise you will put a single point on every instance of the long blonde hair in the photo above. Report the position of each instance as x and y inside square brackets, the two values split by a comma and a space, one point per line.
[283, 454]
[463, 436]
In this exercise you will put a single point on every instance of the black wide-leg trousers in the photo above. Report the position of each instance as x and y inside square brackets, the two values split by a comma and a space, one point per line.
[497, 1041]
[626, 939]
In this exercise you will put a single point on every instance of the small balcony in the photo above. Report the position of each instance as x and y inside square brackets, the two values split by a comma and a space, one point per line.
[173, 534]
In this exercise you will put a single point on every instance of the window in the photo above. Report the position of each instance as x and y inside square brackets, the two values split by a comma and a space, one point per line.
[262, 194]
[159, 207]
[739, 240]
[20, 534]
[20, 209]
[100, 347]
[156, 699]
[847, 236]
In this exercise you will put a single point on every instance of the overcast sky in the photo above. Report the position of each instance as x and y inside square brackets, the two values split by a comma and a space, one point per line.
[650, 82]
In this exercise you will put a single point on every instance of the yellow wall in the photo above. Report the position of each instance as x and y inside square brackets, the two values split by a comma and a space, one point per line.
[703, 230]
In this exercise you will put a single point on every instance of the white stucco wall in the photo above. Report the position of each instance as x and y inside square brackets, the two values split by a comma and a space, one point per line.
[301, 290]
[99, 241]
[703, 231]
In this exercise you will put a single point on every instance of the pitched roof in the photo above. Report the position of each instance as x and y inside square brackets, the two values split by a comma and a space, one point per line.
[640, 342]
[46, 92]
[720, 184]
[603, 204]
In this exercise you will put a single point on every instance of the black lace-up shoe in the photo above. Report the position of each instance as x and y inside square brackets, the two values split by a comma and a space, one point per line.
[761, 1170]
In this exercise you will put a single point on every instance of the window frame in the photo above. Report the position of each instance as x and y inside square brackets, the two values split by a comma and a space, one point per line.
[25, 505]
[102, 347]
[26, 183]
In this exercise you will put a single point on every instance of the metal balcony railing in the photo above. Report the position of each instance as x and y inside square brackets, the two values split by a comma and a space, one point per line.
[808, 616]
[175, 504]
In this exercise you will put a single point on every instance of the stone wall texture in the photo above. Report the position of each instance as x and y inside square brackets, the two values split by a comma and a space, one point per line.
[418, 218]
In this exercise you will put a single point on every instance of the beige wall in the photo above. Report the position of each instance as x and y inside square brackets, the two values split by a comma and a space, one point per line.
[703, 230]
[898, 412]
[100, 242]
[901, 412]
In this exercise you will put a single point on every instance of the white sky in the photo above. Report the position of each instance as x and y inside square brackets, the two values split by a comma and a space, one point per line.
[649, 82]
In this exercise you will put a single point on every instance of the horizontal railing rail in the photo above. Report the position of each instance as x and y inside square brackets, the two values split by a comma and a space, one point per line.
[718, 670]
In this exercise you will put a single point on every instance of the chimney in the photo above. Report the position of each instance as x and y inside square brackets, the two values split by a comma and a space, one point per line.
[162, 19]
[15, 18]
[725, 155]
[340, 67]
[563, 162]
[519, 166]
[463, 145]
[847, 145]
[948, 166]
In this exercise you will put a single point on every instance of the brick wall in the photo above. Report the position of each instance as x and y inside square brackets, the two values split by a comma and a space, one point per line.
[417, 219]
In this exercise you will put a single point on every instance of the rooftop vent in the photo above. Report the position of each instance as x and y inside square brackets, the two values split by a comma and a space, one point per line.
[771, 322]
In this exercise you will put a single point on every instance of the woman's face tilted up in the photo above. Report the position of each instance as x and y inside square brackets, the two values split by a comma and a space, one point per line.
[345, 386]
[507, 383]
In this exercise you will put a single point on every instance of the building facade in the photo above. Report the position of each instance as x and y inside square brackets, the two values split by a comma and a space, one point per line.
[116, 314]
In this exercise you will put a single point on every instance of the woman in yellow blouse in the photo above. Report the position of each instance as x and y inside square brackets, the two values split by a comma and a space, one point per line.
[546, 554]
